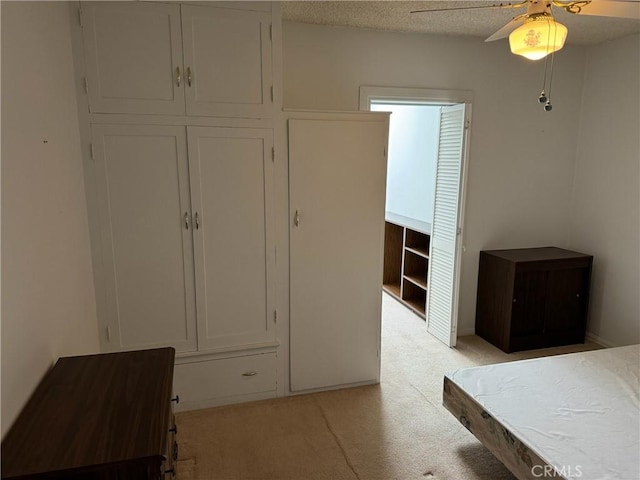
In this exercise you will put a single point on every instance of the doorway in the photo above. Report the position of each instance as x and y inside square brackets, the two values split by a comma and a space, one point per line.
[426, 181]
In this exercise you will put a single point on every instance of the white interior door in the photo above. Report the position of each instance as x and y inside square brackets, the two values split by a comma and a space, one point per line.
[337, 175]
[133, 57]
[444, 257]
[228, 61]
[232, 178]
[142, 184]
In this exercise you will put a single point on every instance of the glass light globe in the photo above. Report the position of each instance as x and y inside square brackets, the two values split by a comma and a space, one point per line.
[538, 37]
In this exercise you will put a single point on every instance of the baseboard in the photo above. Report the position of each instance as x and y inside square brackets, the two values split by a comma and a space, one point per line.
[592, 337]
[465, 332]
[292, 393]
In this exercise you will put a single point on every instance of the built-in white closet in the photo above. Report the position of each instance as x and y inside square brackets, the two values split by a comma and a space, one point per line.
[188, 185]
[180, 111]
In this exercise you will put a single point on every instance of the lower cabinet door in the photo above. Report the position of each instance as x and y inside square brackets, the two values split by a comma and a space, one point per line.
[147, 296]
[566, 304]
[206, 383]
[232, 181]
[528, 303]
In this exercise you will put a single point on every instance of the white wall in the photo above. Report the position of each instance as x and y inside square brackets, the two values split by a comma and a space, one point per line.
[521, 158]
[48, 306]
[605, 208]
[411, 164]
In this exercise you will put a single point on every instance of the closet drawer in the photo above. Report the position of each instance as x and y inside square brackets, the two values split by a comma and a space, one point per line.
[207, 383]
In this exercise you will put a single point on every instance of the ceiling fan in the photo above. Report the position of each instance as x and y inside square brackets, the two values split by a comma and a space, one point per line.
[536, 34]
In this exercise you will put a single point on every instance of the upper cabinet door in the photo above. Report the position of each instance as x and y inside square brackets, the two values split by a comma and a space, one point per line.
[133, 57]
[232, 181]
[227, 62]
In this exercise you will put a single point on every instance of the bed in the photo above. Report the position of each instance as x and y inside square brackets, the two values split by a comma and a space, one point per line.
[574, 416]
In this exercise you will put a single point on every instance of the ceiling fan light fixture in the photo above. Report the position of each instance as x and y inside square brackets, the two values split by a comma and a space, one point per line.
[538, 37]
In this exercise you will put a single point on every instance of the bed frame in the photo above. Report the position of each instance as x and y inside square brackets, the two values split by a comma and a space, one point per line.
[564, 417]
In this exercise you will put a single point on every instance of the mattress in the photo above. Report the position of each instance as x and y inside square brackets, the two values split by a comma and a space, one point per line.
[573, 416]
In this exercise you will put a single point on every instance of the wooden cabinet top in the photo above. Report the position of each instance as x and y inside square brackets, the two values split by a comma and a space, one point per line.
[93, 410]
[410, 223]
[535, 254]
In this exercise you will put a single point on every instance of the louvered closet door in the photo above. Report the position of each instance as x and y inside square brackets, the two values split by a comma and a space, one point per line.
[228, 61]
[232, 179]
[442, 294]
[142, 185]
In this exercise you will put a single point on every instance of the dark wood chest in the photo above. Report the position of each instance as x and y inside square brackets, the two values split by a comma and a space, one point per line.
[106, 416]
[533, 297]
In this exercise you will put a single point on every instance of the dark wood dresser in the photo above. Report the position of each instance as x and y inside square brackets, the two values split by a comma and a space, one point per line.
[532, 297]
[101, 417]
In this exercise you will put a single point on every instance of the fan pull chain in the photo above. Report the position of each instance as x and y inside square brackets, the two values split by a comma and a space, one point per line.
[548, 106]
[546, 97]
[543, 96]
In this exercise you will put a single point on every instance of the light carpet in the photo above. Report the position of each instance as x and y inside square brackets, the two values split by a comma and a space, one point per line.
[397, 430]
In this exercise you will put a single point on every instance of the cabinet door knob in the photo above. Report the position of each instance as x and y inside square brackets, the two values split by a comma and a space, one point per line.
[196, 219]
[186, 220]
[577, 295]
[176, 399]
[175, 451]
[250, 374]
[296, 218]
[178, 76]
[172, 472]
[514, 300]
[174, 429]
[189, 76]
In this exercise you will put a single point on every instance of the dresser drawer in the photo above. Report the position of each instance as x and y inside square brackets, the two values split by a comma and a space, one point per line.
[207, 383]
[169, 466]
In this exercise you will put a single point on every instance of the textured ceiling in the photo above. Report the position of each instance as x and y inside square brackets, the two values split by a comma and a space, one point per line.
[395, 16]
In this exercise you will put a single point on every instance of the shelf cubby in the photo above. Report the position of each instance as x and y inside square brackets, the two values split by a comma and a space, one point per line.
[415, 268]
[414, 297]
[406, 262]
[392, 270]
[417, 242]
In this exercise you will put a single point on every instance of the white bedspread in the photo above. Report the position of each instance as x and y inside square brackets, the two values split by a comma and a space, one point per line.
[579, 412]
